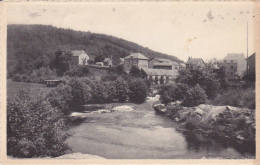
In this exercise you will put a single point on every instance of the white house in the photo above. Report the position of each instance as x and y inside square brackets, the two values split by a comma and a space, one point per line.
[79, 57]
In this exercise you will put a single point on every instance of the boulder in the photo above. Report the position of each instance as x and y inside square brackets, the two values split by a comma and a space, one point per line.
[160, 108]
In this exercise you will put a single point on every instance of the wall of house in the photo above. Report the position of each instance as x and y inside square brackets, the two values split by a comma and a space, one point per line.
[142, 63]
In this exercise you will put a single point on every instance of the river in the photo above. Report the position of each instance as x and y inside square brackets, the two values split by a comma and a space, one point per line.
[141, 134]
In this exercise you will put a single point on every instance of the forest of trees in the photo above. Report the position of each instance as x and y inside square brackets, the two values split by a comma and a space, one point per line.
[31, 47]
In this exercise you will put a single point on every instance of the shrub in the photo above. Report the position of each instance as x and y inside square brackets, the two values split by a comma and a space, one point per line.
[41, 74]
[99, 93]
[136, 72]
[172, 92]
[121, 89]
[80, 91]
[236, 97]
[206, 78]
[34, 128]
[61, 97]
[137, 90]
[194, 96]
[78, 71]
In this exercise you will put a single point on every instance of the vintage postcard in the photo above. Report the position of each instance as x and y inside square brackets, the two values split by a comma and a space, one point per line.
[129, 82]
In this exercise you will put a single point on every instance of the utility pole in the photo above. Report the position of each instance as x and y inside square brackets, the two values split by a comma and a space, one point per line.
[247, 48]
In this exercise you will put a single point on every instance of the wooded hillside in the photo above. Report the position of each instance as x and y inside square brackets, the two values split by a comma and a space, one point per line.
[32, 46]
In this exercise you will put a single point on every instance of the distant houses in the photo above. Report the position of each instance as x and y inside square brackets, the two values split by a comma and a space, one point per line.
[158, 70]
[240, 61]
[79, 57]
[230, 68]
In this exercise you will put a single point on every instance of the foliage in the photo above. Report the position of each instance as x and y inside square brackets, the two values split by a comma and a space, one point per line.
[236, 97]
[61, 98]
[122, 89]
[81, 92]
[136, 72]
[172, 92]
[206, 78]
[62, 62]
[137, 90]
[194, 96]
[41, 74]
[39, 43]
[34, 128]
[119, 70]
[78, 71]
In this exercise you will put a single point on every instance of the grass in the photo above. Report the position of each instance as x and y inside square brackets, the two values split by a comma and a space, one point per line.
[33, 88]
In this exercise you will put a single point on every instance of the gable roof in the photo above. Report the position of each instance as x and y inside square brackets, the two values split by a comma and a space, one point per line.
[78, 52]
[195, 61]
[252, 56]
[136, 56]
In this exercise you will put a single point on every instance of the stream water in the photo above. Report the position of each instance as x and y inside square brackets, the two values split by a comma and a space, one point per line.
[141, 134]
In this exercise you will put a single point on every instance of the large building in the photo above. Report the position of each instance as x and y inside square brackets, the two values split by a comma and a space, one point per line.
[79, 57]
[238, 58]
[159, 71]
[230, 68]
[160, 63]
[135, 59]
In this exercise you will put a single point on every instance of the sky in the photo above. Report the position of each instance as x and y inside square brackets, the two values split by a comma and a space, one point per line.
[196, 29]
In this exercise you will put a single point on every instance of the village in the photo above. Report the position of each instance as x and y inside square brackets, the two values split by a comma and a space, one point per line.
[113, 81]
[161, 71]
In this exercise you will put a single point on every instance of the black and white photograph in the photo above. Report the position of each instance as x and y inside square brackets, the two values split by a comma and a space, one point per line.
[131, 80]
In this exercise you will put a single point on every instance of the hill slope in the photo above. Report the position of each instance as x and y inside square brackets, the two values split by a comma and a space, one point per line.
[29, 45]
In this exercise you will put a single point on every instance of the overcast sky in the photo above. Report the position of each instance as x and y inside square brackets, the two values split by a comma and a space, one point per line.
[207, 30]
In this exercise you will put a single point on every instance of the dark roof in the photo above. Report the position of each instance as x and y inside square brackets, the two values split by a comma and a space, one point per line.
[252, 56]
[195, 61]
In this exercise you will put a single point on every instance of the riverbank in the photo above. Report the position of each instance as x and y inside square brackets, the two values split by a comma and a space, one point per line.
[141, 134]
[225, 124]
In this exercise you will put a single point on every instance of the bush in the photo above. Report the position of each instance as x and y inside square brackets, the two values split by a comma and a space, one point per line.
[172, 92]
[194, 96]
[81, 93]
[78, 71]
[121, 88]
[237, 98]
[41, 74]
[34, 128]
[100, 93]
[61, 98]
[137, 90]
[206, 78]
[136, 72]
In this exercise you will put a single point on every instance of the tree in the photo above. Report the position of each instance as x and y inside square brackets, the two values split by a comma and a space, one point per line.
[194, 96]
[61, 62]
[136, 72]
[137, 90]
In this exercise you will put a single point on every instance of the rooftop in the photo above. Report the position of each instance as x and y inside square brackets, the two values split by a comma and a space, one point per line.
[77, 52]
[136, 56]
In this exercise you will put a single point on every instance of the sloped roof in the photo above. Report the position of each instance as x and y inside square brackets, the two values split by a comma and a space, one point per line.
[137, 55]
[195, 61]
[78, 52]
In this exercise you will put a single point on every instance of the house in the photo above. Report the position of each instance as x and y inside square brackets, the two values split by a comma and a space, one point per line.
[160, 63]
[79, 57]
[230, 68]
[135, 59]
[251, 65]
[238, 58]
[195, 63]
[108, 62]
[160, 76]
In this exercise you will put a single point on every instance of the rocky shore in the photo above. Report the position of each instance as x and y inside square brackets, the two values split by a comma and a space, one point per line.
[227, 124]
